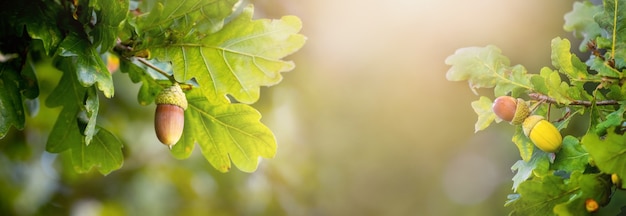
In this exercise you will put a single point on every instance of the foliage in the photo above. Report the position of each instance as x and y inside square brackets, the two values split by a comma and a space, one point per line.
[214, 48]
[590, 85]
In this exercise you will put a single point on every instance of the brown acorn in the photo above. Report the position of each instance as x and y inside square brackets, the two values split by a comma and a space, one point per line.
[510, 109]
[169, 118]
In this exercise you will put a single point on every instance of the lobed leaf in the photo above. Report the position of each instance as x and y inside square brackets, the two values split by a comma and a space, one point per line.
[110, 16]
[486, 67]
[538, 164]
[572, 157]
[580, 21]
[523, 143]
[608, 153]
[89, 67]
[225, 132]
[104, 153]
[12, 110]
[566, 62]
[482, 107]
[611, 21]
[238, 59]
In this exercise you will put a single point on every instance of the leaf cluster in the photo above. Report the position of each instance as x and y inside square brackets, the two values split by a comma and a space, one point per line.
[212, 47]
[590, 86]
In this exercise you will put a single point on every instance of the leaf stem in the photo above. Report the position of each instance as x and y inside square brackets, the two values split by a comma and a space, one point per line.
[545, 98]
[157, 69]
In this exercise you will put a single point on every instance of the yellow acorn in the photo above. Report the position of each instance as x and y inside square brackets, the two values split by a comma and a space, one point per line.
[169, 118]
[617, 181]
[591, 205]
[542, 133]
[510, 109]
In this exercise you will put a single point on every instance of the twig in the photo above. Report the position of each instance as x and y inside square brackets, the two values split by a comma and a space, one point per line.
[541, 97]
[157, 69]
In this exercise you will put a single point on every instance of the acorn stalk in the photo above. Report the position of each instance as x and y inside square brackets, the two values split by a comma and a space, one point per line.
[169, 118]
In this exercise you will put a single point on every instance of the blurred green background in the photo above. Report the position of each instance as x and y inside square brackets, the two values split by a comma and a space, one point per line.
[366, 124]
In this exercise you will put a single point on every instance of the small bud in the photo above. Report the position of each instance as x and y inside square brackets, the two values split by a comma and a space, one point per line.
[510, 109]
[617, 181]
[169, 118]
[542, 133]
[591, 205]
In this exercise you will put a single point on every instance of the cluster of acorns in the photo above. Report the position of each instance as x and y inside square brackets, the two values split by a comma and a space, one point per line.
[540, 131]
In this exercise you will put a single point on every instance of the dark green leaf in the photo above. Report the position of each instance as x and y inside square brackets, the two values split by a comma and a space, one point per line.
[238, 59]
[225, 132]
[88, 65]
[104, 153]
[11, 108]
[41, 23]
[110, 14]
[572, 157]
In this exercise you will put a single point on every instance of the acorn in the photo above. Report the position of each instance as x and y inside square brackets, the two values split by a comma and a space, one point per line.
[591, 205]
[169, 118]
[542, 133]
[510, 109]
[617, 181]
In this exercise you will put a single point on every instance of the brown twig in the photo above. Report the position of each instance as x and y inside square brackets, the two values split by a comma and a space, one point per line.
[545, 98]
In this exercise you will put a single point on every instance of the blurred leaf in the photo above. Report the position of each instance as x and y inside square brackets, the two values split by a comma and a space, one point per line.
[486, 67]
[611, 21]
[110, 15]
[88, 65]
[225, 132]
[572, 157]
[12, 110]
[567, 63]
[238, 59]
[28, 82]
[523, 143]
[580, 21]
[592, 186]
[525, 169]
[482, 107]
[551, 194]
[608, 153]
[104, 153]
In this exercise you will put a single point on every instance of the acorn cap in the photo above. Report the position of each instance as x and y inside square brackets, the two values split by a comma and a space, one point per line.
[173, 95]
[530, 122]
[521, 112]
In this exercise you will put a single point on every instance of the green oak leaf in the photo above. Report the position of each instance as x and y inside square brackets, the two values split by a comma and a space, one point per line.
[608, 153]
[244, 55]
[104, 153]
[12, 110]
[110, 15]
[523, 143]
[537, 165]
[566, 62]
[613, 119]
[482, 107]
[580, 21]
[486, 67]
[611, 21]
[551, 194]
[183, 16]
[225, 132]
[589, 186]
[41, 23]
[572, 157]
[89, 67]
[603, 68]
[549, 83]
